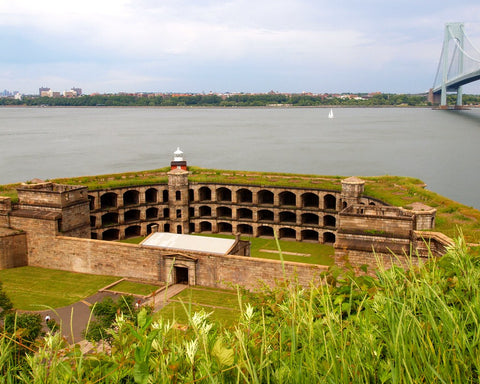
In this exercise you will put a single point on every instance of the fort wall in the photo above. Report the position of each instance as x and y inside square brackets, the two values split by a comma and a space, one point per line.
[136, 261]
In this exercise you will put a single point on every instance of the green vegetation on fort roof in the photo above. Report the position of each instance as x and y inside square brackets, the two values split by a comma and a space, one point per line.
[394, 190]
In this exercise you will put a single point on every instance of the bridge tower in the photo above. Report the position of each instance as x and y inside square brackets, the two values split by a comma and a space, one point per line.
[452, 31]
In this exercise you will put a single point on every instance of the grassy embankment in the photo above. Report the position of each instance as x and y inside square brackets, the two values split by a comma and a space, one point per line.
[35, 289]
[394, 190]
[405, 326]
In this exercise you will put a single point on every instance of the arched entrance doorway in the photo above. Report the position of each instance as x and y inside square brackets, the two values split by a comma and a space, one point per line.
[181, 275]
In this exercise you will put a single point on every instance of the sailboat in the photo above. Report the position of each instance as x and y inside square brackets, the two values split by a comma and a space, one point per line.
[330, 114]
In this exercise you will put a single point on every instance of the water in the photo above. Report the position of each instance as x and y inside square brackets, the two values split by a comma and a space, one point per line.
[439, 147]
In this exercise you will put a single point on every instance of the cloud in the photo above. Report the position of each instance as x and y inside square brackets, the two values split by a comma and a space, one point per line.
[162, 42]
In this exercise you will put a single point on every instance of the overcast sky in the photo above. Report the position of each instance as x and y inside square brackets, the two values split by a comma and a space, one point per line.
[227, 45]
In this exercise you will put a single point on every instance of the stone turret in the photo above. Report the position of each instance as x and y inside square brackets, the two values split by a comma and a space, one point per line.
[352, 191]
[178, 194]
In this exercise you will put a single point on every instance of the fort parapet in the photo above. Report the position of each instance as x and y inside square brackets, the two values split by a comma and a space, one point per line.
[69, 227]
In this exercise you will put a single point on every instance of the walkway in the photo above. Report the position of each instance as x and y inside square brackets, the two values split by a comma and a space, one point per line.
[75, 317]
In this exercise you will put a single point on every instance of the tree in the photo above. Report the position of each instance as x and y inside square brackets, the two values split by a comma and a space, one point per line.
[6, 304]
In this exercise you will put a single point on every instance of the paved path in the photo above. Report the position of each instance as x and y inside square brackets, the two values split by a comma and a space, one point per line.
[161, 299]
[75, 317]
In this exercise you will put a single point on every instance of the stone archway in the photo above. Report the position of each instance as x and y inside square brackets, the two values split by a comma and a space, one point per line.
[180, 269]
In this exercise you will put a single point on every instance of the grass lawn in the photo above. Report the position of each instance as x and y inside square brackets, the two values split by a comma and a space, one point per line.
[134, 288]
[312, 253]
[318, 253]
[133, 240]
[32, 288]
[197, 298]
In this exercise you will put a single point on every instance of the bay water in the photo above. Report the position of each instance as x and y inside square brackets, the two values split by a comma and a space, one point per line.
[439, 147]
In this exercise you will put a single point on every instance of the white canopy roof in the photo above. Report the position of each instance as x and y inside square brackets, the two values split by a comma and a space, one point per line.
[189, 243]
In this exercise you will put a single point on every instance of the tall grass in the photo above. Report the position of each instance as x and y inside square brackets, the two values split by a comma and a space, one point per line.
[401, 326]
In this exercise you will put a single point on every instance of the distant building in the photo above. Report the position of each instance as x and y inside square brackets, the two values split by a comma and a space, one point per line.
[78, 91]
[42, 90]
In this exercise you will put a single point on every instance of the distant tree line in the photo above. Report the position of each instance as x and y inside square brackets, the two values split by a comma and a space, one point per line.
[238, 100]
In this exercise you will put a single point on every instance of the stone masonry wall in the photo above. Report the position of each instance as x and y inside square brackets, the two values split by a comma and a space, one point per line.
[130, 260]
[13, 249]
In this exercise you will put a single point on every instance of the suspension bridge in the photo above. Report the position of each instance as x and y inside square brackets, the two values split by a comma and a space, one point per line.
[459, 65]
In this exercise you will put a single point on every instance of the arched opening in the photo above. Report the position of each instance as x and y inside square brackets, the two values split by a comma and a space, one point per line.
[93, 221]
[309, 235]
[329, 221]
[265, 197]
[166, 213]
[265, 215]
[224, 227]
[191, 195]
[191, 212]
[205, 226]
[132, 231]
[244, 196]
[288, 217]
[287, 199]
[111, 234]
[371, 203]
[179, 229]
[329, 238]
[245, 229]
[224, 212]
[151, 195]
[130, 198]
[181, 275]
[310, 200]
[151, 213]
[287, 233]
[204, 194]
[150, 227]
[108, 200]
[205, 211]
[178, 195]
[166, 228]
[132, 215]
[264, 231]
[110, 218]
[178, 214]
[93, 235]
[310, 219]
[244, 213]
[191, 227]
[91, 200]
[165, 195]
[329, 202]
[224, 194]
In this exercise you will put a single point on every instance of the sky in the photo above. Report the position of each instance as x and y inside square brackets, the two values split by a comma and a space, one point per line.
[110, 46]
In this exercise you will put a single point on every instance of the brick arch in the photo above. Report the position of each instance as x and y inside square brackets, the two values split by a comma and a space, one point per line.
[111, 234]
[204, 194]
[223, 227]
[265, 197]
[309, 235]
[244, 196]
[310, 200]
[108, 200]
[265, 231]
[131, 197]
[245, 229]
[224, 194]
[151, 195]
[287, 198]
[287, 233]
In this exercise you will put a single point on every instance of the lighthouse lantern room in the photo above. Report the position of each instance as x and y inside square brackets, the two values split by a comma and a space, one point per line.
[178, 160]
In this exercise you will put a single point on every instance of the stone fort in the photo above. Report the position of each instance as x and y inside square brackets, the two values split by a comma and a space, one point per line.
[72, 228]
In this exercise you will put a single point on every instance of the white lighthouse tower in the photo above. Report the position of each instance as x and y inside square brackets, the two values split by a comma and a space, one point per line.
[178, 161]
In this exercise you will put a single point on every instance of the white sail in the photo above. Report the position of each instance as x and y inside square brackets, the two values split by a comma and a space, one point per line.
[330, 114]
